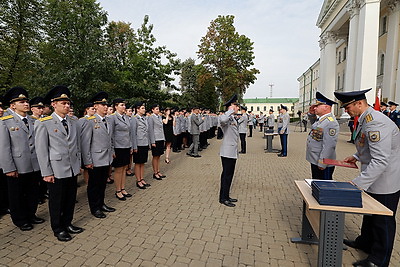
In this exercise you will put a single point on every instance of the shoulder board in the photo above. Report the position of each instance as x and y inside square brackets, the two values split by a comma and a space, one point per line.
[321, 120]
[46, 118]
[91, 118]
[369, 118]
[6, 117]
[330, 118]
[112, 114]
[33, 117]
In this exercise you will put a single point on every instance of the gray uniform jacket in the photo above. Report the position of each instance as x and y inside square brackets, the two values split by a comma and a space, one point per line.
[378, 149]
[271, 120]
[156, 128]
[195, 123]
[177, 126]
[283, 123]
[322, 139]
[140, 132]
[121, 130]
[189, 123]
[251, 118]
[58, 152]
[17, 144]
[230, 128]
[96, 141]
[243, 123]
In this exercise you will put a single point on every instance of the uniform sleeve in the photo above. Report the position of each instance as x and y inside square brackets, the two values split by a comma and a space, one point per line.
[224, 118]
[42, 148]
[380, 144]
[285, 124]
[86, 140]
[329, 141]
[150, 124]
[7, 161]
[134, 133]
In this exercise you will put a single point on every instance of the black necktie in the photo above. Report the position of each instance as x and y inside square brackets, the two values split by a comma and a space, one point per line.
[64, 122]
[105, 122]
[123, 117]
[25, 120]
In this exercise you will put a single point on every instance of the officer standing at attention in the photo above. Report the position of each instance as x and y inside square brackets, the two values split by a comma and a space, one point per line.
[37, 107]
[229, 150]
[97, 154]
[19, 160]
[378, 150]
[250, 122]
[58, 149]
[394, 114]
[384, 108]
[271, 120]
[283, 129]
[243, 129]
[195, 122]
[322, 139]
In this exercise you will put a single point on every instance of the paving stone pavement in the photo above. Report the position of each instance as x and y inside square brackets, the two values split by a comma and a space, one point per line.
[179, 221]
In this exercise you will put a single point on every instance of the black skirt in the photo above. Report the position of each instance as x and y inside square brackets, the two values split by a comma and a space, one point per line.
[158, 150]
[141, 155]
[122, 156]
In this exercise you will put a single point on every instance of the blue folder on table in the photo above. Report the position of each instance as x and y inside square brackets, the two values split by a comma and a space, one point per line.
[334, 193]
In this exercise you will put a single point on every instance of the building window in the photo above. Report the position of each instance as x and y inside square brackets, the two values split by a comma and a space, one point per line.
[258, 108]
[338, 82]
[339, 57]
[382, 65]
[384, 25]
[251, 108]
[344, 77]
[344, 53]
[265, 108]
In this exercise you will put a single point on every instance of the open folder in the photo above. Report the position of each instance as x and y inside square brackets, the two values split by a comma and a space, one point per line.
[340, 163]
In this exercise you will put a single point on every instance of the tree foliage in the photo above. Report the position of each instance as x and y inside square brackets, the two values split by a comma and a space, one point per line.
[228, 56]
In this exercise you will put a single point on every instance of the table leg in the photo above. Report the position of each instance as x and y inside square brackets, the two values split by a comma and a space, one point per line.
[330, 238]
[307, 233]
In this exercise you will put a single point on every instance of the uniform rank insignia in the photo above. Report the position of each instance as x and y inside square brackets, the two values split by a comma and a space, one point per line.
[332, 132]
[6, 117]
[362, 140]
[317, 134]
[330, 119]
[91, 118]
[374, 136]
[46, 118]
[369, 118]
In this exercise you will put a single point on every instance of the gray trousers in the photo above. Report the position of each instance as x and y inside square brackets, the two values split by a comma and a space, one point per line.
[194, 147]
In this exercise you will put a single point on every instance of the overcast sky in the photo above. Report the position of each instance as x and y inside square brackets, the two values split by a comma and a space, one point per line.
[283, 31]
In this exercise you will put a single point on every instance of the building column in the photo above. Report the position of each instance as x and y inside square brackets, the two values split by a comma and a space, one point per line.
[322, 43]
[367, 48]
[329, 85]
[392, 51]
[353, 8]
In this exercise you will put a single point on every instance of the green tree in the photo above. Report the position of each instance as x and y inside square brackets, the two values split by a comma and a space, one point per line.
[73, 52]
[20, 33]
[228, 56]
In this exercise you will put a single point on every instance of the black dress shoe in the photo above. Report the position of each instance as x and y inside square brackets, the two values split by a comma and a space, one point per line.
[26, 227]
[227, 203]
[107, 208]
[242, 152]
[281, 155]
[232, 199]
[74, 229]
[155, 176]
[161, 176]
[99, 214]
[364, 263]
[63, 236]
[188, 154]
[36, 220]
[196, 156]
[123, 198]
[127, 194]
[353, 244]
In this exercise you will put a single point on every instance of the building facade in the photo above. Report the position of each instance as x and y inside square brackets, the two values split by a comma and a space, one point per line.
[257, 105]
[308, 85]
[359, 48]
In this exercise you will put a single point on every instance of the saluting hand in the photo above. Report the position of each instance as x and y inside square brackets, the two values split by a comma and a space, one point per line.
[49, 179]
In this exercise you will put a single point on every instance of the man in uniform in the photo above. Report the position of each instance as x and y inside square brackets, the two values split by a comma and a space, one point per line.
[322, 139]
[250, 123]
[271, 120]
[283, 129]
[384, 108]
[394, 114]
[58, 150]
[378, 150]
[19, 160]
[261, 120]
[243, 129]
[195, 122]
[37, 106]
[229, 150]
[97, 154]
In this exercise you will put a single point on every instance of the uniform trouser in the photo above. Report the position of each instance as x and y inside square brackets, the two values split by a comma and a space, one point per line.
[175, 146]
[62, 197]
[250, 130]
[189, 138]
[378, 231]
[23, 197]
[305, 125]
[243, 142]
[228, 169]
[194, 147]
[3, 193]
[261, 126]
[220, 133]
[283, 138]
[203, 139]
[96, 187]
[325, 174]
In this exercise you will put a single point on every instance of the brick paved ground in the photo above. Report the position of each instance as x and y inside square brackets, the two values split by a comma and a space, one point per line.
[179, 222]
